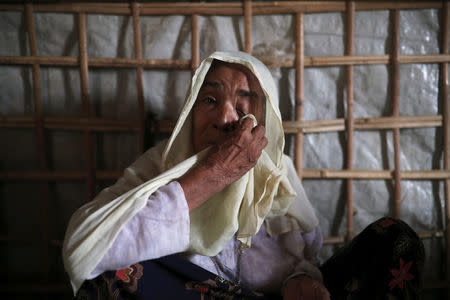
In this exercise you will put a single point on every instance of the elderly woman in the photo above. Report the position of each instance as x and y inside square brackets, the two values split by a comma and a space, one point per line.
[220, 194]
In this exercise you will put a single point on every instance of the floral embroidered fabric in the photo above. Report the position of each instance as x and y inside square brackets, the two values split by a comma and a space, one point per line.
[384, 261]
[170, 277]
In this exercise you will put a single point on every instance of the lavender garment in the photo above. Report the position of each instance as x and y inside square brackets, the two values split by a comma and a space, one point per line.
[161, 228]
[165, 219]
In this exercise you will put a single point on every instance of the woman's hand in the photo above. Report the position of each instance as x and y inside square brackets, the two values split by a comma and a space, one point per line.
[226, 162]
[237, 153]
[304, 288]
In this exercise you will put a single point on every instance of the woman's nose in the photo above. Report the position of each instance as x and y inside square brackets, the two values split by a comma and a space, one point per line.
[227, 117]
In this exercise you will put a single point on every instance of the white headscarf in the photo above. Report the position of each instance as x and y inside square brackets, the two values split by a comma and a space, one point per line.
[264, 193]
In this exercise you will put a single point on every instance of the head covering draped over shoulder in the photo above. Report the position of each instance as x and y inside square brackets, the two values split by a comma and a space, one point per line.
[262, 194]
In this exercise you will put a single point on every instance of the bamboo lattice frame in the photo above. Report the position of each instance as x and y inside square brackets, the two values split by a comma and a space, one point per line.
[89, 124]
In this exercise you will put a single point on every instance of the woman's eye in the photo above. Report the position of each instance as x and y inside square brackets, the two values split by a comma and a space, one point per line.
[240, 112]
[209, 100]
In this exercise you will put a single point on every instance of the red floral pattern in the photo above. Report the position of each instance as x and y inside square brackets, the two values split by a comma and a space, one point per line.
[130, 275]
[382, 225]
[124, 274]
[386, 223]
[400, 275]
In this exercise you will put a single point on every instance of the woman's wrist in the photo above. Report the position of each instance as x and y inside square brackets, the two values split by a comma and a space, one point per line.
[200, 184]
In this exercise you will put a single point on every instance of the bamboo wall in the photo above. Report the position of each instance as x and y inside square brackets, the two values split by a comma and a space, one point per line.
[89, 124]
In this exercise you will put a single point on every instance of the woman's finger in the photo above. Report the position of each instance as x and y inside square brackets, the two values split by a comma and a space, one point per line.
[246, 124]
[259, 130]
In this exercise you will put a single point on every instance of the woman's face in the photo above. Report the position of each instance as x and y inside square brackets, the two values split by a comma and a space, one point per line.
[229, 92]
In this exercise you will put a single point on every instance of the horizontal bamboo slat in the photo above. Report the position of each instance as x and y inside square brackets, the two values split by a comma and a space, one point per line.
[319, 61]
[166, 126]
[57, 175]
[423, 235]
[71, 123]
[353, 60]
[315, 126]
[431, 235]
[374, 174]
[223, 9]
[330, 240]
[307, 174]
[97, 62]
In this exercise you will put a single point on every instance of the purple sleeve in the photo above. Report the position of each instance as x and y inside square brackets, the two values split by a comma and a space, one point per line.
[161, 228]
[312, 244]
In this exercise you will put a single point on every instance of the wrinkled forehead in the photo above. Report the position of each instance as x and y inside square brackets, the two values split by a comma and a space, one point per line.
[253, 82]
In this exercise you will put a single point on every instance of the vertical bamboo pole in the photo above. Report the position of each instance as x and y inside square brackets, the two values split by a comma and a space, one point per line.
[84, 82]
[139, 73]
[395, 111]
[299, 88]
[446, 129]
[248, 25]
[349, 119]
[40, 138]
[195, 44]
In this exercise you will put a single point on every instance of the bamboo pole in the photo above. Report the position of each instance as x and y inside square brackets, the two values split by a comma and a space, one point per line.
[349, 119]
[259, 8]
[90, 120]
[83, 65]
[135, 7]
[72, 123]
[176, 64]
[133, 127]
[385, 123]
[446, 130]
[195, 45]
[395, 112]
[374, 174]
[58, 175]
[299, 89]
[98, 62]
[388, 5]
[423, 235]
[84, 82]
[248, 26]
[166, 126]
[33, 175]
[330, 240]
[38, 114]
[17, 122]
[40, 137]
